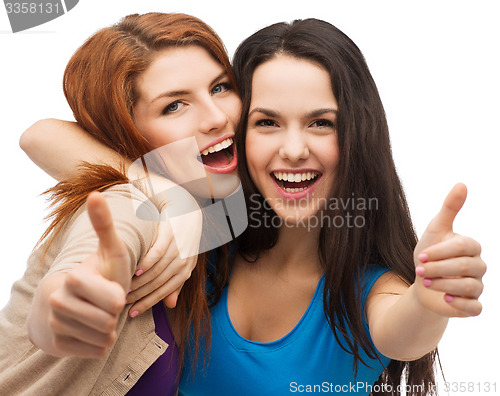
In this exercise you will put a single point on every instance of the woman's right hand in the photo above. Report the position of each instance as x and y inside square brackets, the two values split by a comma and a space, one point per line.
[76, 313]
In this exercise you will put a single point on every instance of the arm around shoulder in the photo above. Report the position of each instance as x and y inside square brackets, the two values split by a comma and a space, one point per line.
[58, 147]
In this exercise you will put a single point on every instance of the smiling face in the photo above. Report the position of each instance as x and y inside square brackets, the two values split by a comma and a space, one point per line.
[291, 143]
[186, 96]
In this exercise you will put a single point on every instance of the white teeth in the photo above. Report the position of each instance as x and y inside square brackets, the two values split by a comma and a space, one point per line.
[294, 190]
[295, 177]
[218, 147]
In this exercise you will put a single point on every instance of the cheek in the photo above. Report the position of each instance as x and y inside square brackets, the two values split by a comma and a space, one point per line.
[232, 108]
[331, 159]
[161, 133]
[254, 160]
[331, 154]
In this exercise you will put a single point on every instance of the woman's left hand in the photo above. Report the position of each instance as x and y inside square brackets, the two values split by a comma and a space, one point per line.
[163, 270]
[449, 267]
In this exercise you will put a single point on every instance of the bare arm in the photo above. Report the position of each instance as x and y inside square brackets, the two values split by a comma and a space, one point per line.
[407, 322]
[58, 147]
[401, 328]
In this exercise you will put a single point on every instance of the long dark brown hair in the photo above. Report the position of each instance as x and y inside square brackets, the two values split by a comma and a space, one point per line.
[100, 87]
[366, 170]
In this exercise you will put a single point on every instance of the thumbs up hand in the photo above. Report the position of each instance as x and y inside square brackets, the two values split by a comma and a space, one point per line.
[77, 312]
[113, 258]
[448, 266]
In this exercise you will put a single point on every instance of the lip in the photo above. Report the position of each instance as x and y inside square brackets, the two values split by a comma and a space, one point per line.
[231, 167]
[218, 140]
[295, 195]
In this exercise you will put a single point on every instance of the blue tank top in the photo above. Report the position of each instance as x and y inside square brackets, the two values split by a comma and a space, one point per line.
[308, 359]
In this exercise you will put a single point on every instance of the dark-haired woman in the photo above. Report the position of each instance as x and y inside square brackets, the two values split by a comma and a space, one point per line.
[328, 290]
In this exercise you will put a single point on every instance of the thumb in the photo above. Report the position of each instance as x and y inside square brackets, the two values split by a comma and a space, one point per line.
[113, 256]
[443, 222]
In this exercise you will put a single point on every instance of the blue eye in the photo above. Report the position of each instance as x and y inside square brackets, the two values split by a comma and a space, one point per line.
[221, 87]
[172, 107]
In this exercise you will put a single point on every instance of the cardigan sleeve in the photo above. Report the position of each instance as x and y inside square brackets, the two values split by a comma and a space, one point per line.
[138, 232]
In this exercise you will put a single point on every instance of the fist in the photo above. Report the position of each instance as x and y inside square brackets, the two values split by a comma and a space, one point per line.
[448, 266]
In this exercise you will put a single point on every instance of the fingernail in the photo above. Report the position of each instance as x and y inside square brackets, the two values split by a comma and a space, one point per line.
[423, 257]
[448, 298]
[427, 282]
[139, 272]
[134, 314]
[129, 290]
[420, 270]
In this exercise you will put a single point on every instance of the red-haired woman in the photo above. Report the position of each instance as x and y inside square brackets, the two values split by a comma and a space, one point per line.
[149, 81]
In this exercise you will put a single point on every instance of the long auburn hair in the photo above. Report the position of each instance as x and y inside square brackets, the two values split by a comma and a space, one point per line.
[366, 170]
[100, 87]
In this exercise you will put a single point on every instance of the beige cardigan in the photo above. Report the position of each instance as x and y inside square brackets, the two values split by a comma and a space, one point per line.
[25, 369]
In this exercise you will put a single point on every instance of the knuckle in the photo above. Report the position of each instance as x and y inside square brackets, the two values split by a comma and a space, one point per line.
[59, 343]
[110, 339]
[116, 306]
[461, 244]
[56, 302]
[470, 287]
[483, 268]
[478, 308]
[73, 280]
[187, 275]
[478, 247]
[463, 266]
[109, 325]
[101, 352]
[156, 252]
[480, 291]
[54, 324]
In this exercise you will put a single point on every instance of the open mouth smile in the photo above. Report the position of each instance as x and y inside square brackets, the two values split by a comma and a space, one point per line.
[220, 157]
[296, 184]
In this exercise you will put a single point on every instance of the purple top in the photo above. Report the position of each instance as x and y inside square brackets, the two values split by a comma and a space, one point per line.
[161, 377]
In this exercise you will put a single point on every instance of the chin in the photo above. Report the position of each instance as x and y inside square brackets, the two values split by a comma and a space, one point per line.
[215, 185]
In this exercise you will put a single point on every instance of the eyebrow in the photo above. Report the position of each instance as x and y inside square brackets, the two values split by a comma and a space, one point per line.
[172, 94]
[311, 114]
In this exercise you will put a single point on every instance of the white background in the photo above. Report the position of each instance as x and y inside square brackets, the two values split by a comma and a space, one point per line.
[436, 64]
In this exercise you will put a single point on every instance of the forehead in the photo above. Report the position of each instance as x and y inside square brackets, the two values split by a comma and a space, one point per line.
[177, 69]
[285, 78]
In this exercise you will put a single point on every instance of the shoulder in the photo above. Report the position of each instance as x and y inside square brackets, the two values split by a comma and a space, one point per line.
[388, 282]
[370, 277]
[386, 289]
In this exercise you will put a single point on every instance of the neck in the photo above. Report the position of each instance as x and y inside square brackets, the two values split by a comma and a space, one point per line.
[296, 250]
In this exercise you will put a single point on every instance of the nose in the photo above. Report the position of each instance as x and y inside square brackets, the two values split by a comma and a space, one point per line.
[294, 146]
[212, 117]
